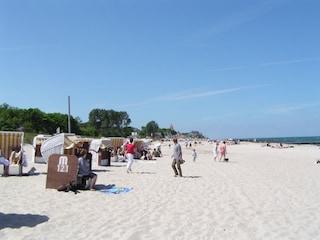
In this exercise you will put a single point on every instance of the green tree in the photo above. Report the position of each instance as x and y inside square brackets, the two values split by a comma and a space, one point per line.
[109, 122]
[166, 132]
[96, 118]
[61, 120]
[88, 130]
[10, 118]
[151, 128]
[33, 120]
[143, 132]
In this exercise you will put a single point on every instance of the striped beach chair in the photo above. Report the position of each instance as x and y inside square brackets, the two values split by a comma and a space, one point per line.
[8, 141]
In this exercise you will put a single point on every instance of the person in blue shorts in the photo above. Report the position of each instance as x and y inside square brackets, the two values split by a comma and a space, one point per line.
[6, 164]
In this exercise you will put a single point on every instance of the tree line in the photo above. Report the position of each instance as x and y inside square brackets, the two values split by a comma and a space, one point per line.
[107, 123]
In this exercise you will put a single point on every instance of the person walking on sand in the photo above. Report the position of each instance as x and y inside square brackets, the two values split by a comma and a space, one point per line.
[177, 156]
[223, 151]
[130, 149]
[194, 155]
[215, 150]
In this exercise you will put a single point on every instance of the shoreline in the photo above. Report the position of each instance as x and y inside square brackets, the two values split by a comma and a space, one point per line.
[312, 140]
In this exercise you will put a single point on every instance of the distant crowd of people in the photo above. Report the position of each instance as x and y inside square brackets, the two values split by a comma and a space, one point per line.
[280, 145]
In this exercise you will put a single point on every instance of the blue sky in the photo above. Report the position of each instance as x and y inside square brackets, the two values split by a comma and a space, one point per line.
[229, 68]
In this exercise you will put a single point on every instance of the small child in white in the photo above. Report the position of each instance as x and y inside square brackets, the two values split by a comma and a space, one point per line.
[194, 155]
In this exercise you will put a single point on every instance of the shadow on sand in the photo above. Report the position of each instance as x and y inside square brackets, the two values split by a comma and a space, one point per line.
[102, 186]
[192, 176]
[13, 220]
[143, 173]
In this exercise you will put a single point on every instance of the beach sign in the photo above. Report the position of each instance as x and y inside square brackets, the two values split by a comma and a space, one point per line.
[62, 169]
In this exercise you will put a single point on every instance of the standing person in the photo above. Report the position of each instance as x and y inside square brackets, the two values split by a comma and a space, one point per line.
[130, 149]
[215, 150]
[177, 156]
[117, 154]
[194, 155]
[84, 168]
[223, 151]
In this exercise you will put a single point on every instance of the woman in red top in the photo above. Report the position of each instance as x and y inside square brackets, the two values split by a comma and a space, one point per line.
[130, 149]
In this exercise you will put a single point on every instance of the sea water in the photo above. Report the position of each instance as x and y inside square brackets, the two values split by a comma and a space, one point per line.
[287, 140]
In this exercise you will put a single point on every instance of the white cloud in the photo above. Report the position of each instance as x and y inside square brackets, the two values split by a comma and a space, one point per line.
[287, 109]
[237, 18]
[290, 61]
[191, 95]
[285, 62]
[9, 49]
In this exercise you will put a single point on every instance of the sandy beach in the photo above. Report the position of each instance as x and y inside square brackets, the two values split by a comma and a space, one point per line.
[261, 193]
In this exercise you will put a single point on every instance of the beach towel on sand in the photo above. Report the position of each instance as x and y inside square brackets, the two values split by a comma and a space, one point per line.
[115, 190]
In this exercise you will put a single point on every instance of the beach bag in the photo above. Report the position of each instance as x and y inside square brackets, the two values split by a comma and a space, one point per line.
[72, 186]
[181, 161]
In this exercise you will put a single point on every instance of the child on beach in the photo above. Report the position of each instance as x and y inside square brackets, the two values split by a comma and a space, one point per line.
[194, 155]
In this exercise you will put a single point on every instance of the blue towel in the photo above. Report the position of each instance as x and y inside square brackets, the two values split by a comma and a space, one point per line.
[115, 190]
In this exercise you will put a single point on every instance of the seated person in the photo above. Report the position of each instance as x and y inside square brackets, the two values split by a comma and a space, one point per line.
[156, 153]
[16, 156]
[6, 164]
[149, 155]
[84, 168]
[159, 151]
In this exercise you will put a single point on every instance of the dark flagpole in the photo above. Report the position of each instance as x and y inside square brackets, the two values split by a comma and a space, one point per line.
[69, 123]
